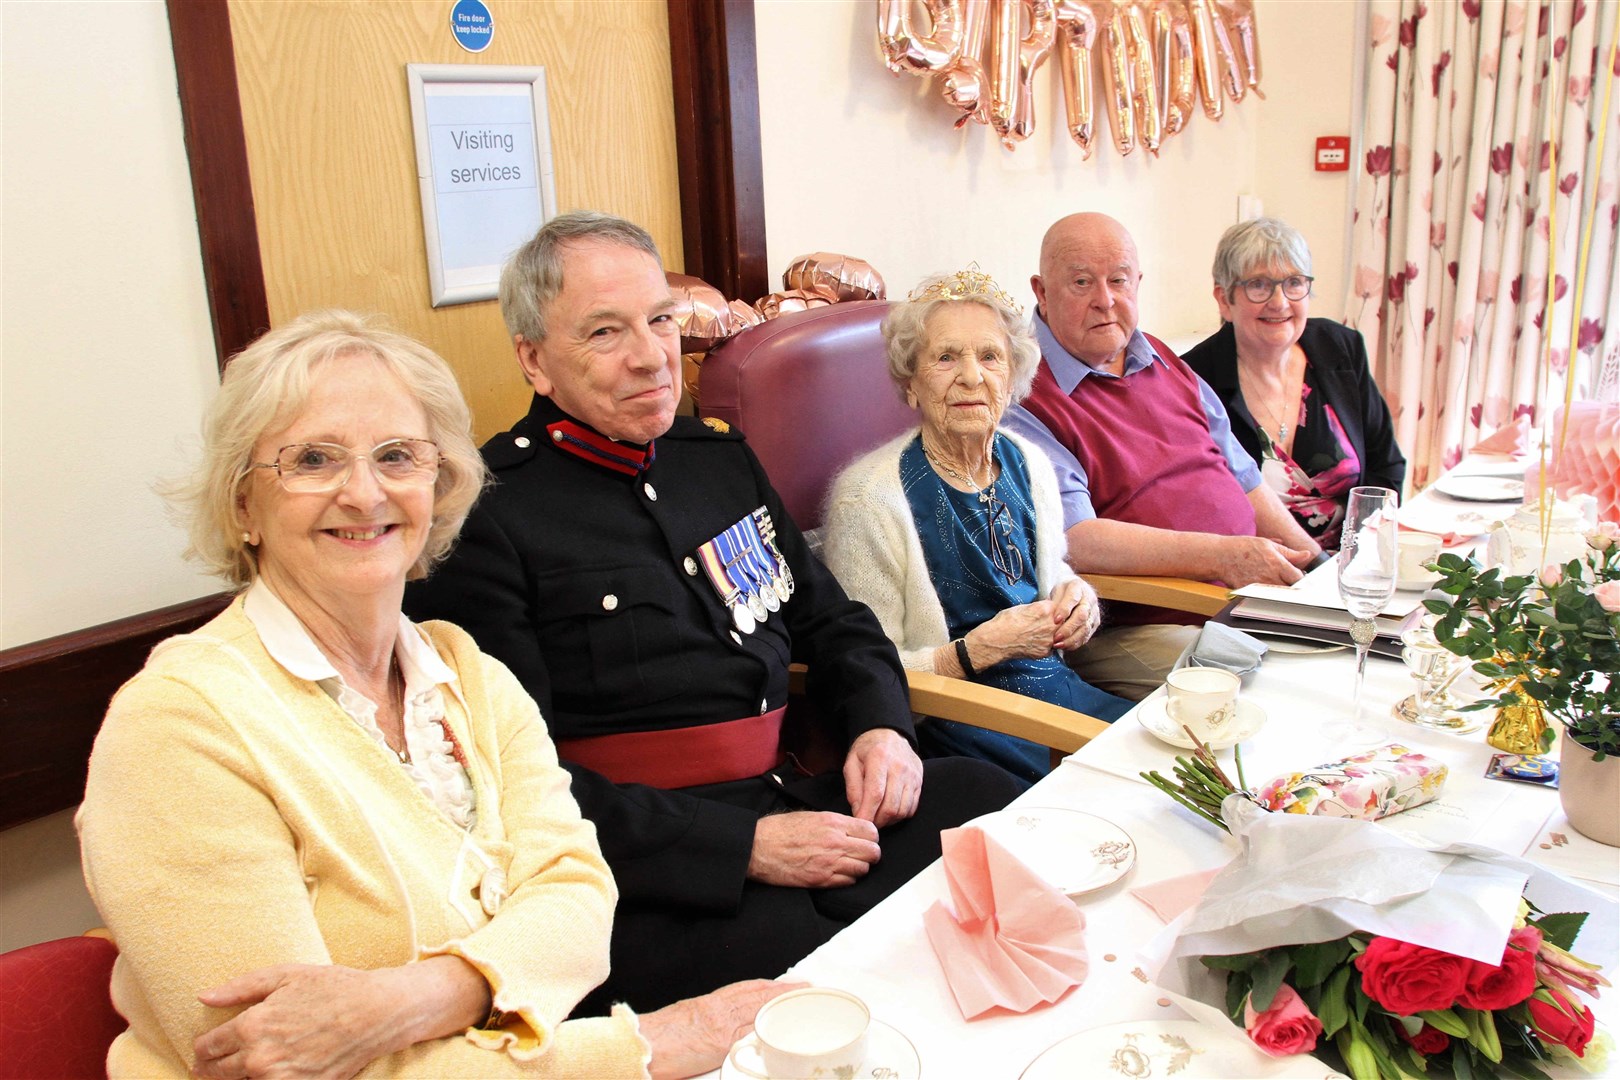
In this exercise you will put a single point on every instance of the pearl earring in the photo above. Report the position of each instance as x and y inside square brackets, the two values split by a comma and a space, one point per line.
[247, 537]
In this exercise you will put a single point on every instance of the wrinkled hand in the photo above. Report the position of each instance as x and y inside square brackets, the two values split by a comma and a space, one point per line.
[301, 1020]
[882, 777]
[692, 1036]
[812, 849]
[1025, 630]
[1250, 560]
[1074, 606]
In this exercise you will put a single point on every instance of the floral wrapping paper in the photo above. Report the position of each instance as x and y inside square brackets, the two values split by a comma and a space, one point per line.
[1367, 786]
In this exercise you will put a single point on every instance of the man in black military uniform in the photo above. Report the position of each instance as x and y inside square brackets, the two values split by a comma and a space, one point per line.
[639, 575]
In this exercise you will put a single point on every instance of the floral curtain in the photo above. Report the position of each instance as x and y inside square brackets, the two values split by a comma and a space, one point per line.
[1488, 143]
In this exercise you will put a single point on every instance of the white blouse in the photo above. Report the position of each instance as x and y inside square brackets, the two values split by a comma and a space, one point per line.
[432, 765]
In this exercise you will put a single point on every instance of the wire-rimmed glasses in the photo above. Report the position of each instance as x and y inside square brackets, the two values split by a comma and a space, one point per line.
[1260, 289]
[318, 467]
[1004, 552]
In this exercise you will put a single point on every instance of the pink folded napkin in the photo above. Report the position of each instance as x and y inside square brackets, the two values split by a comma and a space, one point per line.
[1509, 439]
[1172, 896]
[1014, 941]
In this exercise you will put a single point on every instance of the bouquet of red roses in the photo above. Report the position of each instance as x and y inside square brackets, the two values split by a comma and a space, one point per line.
[1393, 1009]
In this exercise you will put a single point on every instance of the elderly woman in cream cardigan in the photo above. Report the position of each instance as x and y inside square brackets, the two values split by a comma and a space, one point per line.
[328, 841]
[953, 534]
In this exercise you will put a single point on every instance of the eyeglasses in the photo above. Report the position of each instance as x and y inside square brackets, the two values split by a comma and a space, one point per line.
[316, 467]
[1004, 552]
[1259, 289]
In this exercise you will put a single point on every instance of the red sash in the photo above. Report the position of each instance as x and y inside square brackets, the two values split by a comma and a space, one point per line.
[683, 757]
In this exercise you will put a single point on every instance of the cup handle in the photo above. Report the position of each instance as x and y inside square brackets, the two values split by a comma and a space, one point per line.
[748, 1042]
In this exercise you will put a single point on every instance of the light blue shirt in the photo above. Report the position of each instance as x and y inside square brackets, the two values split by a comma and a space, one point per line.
[1067, 371]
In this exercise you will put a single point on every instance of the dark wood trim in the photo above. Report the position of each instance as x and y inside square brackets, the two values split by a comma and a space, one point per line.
[216, 145]
[53, 694]
[716, 82]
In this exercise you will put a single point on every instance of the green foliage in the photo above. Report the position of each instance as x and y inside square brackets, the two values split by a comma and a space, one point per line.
[1553, 644]
[1561, 928]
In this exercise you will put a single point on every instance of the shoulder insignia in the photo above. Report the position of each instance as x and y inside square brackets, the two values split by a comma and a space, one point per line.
[717, 424]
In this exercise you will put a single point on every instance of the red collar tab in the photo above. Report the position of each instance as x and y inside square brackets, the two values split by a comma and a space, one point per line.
[582, 442]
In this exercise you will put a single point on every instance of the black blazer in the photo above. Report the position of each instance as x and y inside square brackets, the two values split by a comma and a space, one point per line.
[1336, 368]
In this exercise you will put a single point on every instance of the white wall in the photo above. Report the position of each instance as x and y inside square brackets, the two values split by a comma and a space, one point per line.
[106, 361]
[865, 163]
[106, 354]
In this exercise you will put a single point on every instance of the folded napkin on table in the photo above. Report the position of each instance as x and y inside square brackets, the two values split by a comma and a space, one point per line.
[1222, 646]
[1509, 439]
[1014, 941]
[1172, 896]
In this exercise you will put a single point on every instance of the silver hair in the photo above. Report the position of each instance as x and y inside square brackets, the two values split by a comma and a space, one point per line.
[533, 276]
[1252, 245]
[265, 387]
[905, 331]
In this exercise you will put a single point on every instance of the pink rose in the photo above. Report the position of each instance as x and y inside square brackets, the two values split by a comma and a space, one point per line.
[1551, 575]
[1608, 595]
[1288, 1027]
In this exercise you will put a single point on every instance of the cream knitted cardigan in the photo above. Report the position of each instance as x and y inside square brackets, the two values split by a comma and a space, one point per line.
[235, 817]
[870, 543]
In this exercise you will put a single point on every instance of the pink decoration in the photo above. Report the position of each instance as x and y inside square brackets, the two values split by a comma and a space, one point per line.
[1589, 463]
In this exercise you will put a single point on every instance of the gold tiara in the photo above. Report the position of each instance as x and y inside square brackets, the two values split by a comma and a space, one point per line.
[964, 285]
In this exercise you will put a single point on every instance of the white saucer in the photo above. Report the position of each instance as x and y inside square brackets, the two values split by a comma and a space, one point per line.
[888, 1054]
[1417, 584]
[1247, 719]
[1074, 852]
[1481, 488]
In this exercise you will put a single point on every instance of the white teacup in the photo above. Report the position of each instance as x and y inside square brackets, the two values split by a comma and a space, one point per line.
[1412, 552]
[816, 1031]
[1203, 698]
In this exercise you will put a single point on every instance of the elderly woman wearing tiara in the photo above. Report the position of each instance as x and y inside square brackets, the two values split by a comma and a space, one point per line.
[952, 533]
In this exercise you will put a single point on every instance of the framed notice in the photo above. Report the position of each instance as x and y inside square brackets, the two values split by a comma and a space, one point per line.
[483, 160]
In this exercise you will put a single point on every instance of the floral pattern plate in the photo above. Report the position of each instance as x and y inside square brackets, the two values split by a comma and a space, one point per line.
[889, 1056]
[1164, 1048]
[1247, 719]
[1481, 488]
[1074, 852]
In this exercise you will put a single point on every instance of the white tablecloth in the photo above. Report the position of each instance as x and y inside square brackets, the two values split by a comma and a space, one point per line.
[886, 958]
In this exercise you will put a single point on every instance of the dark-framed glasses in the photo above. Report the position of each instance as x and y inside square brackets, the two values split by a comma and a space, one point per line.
[1259, 289]
[318, 467]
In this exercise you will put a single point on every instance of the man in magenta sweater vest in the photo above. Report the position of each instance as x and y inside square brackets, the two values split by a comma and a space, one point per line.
[1152, 480]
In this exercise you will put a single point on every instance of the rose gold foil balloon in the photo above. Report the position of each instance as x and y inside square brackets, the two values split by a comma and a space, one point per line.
[691, 373]
[1238, 17]
[743, 315]
[837, 277]
[1116, 74]
[905, 50]
[784, 303]
[1173, 62]
[700, 312]
[1144, 88]
[1016, 58]
[966, 84]
[1205, 53]
[1226, 56]
[1077, 36]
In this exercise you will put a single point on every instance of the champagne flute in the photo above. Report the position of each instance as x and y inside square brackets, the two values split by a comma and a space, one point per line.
[1366, 577]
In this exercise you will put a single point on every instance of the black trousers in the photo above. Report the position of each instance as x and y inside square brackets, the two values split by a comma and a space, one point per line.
[663, 954]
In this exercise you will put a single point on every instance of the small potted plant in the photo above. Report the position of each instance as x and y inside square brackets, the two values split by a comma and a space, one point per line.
[1549, 644]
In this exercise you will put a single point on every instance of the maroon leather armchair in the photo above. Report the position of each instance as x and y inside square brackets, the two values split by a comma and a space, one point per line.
[56, 1012]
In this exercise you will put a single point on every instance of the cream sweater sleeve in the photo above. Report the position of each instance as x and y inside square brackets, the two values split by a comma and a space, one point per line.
[189, 857]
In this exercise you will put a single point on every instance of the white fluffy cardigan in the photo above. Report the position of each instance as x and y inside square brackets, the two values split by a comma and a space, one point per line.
[870, 543]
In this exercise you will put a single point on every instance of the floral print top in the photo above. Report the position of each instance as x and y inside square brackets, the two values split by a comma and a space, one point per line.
[1315, 480]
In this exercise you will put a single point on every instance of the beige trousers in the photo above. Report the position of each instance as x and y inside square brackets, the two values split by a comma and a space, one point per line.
[1132, 661]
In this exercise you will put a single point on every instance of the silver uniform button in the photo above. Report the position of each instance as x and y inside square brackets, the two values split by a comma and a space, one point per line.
[522, 442]
[691, 566]
[610, 602]
[651, 493]
[556, 436]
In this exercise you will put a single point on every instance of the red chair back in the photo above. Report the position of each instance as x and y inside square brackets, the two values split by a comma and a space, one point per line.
[56, 1012]
[812, 392]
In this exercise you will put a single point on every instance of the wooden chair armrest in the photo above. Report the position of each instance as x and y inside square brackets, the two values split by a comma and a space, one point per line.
[1179, 594]
[1053, 726]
